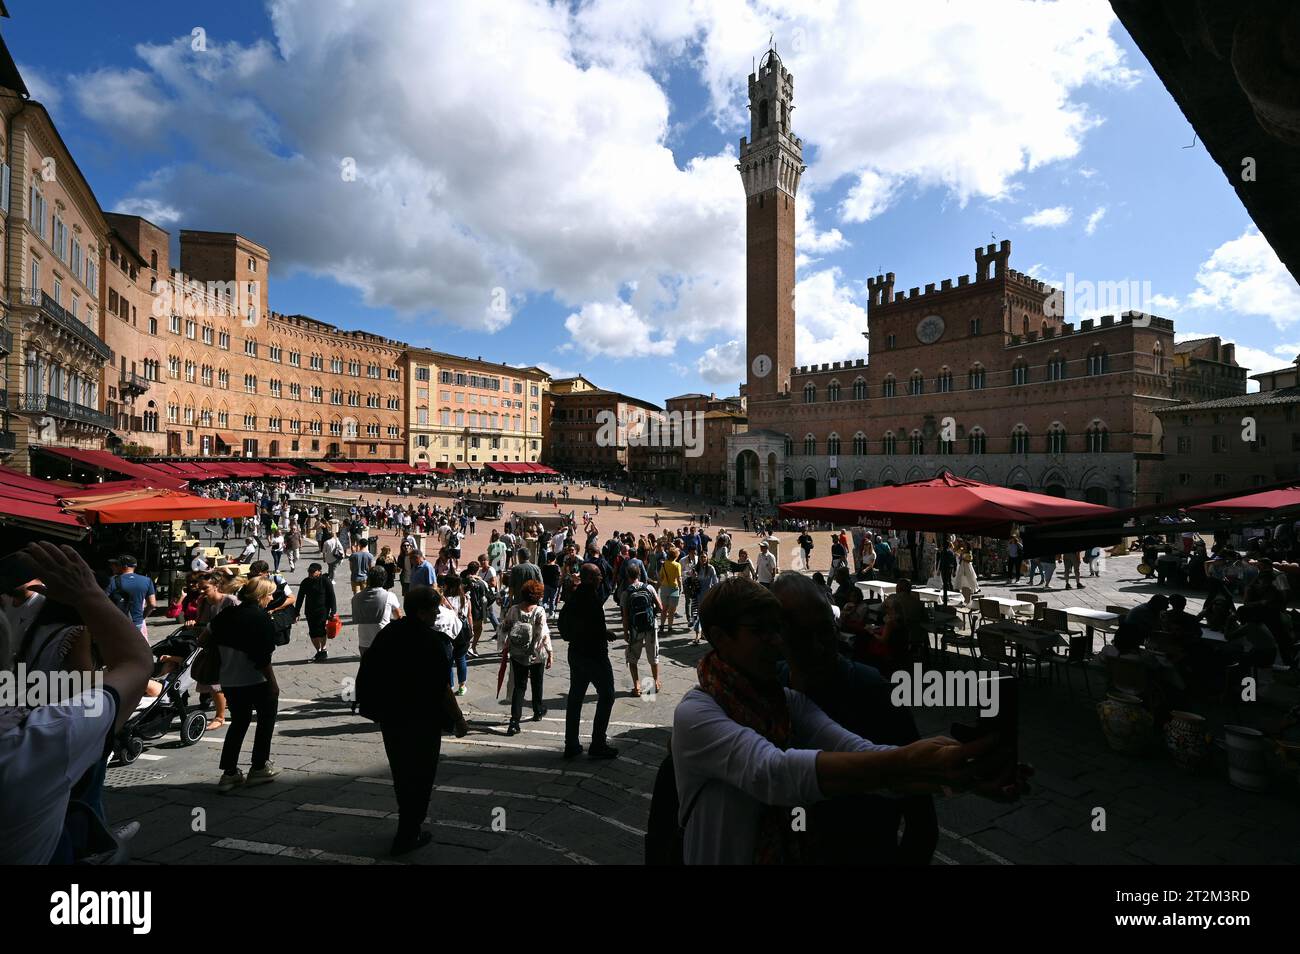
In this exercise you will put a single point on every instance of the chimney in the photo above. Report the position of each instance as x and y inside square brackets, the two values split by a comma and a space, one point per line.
[1229, 352]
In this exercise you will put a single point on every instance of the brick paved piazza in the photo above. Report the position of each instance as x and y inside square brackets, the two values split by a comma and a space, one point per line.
[334, 802]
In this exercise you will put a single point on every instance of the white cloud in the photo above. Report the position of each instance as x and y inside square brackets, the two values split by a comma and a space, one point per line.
[1087, 173]
[1052, 218]
[45, 91]
[1288, 351]
[1160, 304]
[127, 101]
[446, 109]
[157, 212]
[831, 319]
[1245, 276]
[616, 331]
[723, 363]
[1094, 220]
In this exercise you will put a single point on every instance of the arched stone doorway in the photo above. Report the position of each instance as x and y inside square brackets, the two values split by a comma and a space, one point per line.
[809, 488]
[1054, 490]
[1096, 495]
[788, 488]
[746, 474]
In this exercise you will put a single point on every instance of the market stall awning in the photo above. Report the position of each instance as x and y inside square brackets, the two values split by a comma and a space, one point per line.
[1252, 503]
[460, 465]
[944, 503]
[154, 506]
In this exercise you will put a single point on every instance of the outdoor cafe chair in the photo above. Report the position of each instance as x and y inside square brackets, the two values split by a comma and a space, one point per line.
[993, 649]
[1028, 598]
[989, 610]
[1057, 620]
[1078, 653]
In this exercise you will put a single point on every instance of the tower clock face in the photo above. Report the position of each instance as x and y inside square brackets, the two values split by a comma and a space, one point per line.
[761, 366]
[929, 330]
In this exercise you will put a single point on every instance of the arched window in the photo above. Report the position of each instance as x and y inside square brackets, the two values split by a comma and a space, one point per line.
[762, 114]
[153, 260]
[944, 381]
[1098, 361]
[889, 386]
[1158, 359]
[1098, 438]
[1020, 440]
[975, 377]
[916, 383]
[915, 443]
[809, 393]
[1056, 439]
[859, 390]
[1020, 372]
[833, 391]
[859, 444]
[1024, 326]
[809, 445]
[976, 441]
[789, 446]
[889, 445]
[1056, 368]
[833, 444]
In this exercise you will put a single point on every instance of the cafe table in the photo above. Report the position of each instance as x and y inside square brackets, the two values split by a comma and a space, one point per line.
[879, 587]
[1092, 619]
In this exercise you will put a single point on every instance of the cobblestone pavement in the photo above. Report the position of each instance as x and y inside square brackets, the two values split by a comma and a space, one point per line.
[514, 800]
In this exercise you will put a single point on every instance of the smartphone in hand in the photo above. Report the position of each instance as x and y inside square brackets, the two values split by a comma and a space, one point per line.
[998, 702]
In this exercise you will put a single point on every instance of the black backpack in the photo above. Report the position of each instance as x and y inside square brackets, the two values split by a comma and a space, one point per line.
[665, 836]
[641, 609]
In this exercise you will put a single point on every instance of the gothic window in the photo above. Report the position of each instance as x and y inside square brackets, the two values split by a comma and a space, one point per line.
[889, 445]
[859, 444]
[789, 446]
[833, 444]
[1157, 359]
[915, 443]
[809, 393]
[1020, 372]
[977, 442]
[975, 377]
[889, 386]
[1056, 368]
[916, 383]
[762, 114]
[833, 391]
[1098, 438]
[810, 445]
[944, 381]
[859, 390]
[1056, 439]
[1098, 362]
[1020, 440]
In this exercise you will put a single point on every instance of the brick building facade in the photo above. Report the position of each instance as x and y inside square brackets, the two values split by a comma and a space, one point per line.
[466, 412]
[980, 375]
[577, 441]
[1234, 443]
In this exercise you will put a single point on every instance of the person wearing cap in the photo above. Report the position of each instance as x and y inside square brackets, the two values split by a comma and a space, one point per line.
[131, 592]
[766, 568]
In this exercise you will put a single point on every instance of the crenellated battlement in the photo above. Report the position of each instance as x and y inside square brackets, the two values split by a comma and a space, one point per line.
[881, 293]
[831, 366]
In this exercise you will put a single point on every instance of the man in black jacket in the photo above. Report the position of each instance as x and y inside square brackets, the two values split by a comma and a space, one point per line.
[582, 624]
[405, 659]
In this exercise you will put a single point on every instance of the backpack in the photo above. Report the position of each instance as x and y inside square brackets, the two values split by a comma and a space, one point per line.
[478, 594]
[453, 540]
[460, 645]
[120, 598]
[665, 837]
[521, 637]
[641, 608]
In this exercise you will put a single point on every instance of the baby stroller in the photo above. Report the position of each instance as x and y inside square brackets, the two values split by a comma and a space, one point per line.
[154, 715]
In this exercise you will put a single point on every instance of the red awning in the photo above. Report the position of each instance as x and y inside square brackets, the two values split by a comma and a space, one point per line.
[22, 510]
[1252, 503]
[944, 503]
[155, 506]
[103, 460]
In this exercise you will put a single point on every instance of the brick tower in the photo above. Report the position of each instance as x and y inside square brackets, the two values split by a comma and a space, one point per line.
[771, 162]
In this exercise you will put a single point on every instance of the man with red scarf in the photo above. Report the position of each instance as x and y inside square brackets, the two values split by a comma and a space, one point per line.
[748, 753]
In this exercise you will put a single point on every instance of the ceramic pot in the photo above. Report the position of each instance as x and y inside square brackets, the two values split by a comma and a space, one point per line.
[1187, 740]
[1247, 757]
[1126, 723]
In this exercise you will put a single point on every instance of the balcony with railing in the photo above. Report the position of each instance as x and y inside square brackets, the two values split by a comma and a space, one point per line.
[44, 403]
[60, 317]
[132, 383]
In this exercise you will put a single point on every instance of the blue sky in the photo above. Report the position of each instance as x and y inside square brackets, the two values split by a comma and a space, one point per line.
[575, 162]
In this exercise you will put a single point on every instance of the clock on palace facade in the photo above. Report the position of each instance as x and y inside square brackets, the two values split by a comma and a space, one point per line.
[762, 366]
[929, 329]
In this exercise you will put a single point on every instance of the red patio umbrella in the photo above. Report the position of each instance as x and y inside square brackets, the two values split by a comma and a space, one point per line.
[945, 504]
[1252, 503]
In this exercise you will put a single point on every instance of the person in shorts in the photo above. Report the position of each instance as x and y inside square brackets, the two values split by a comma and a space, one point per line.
[640, 633]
